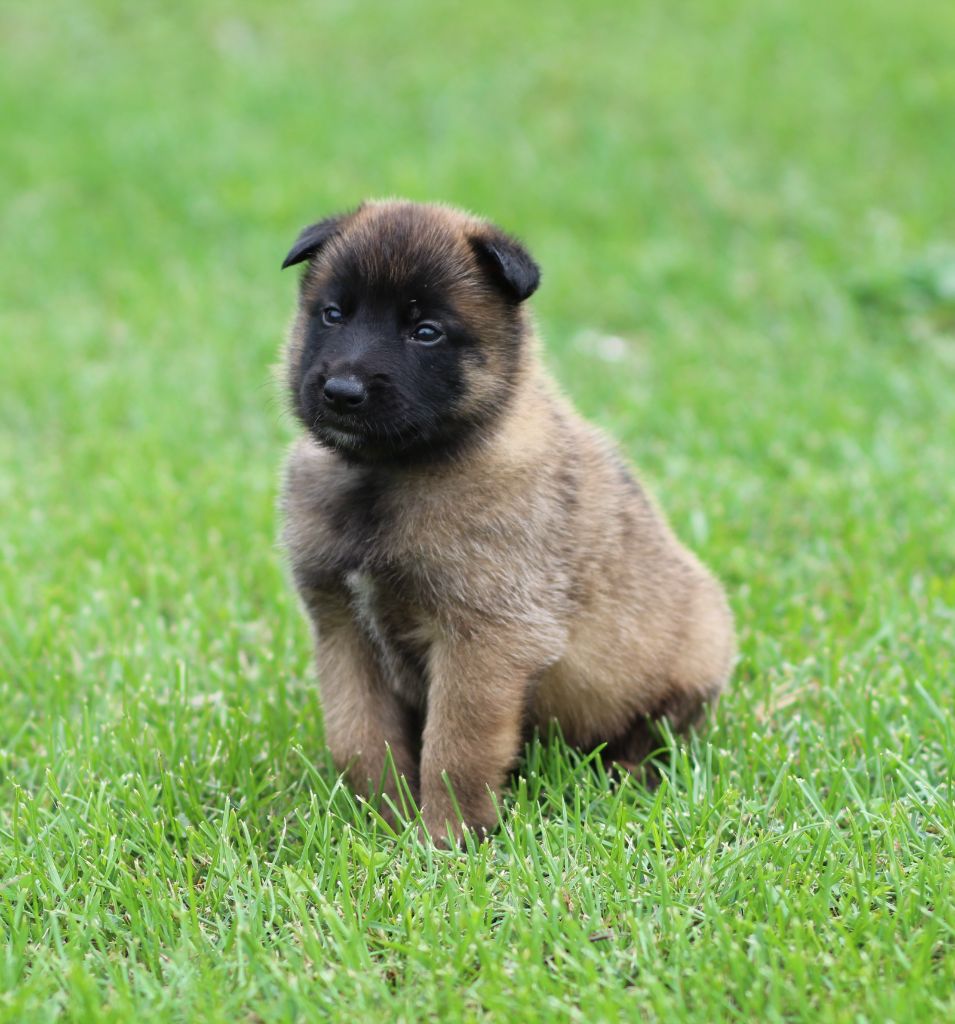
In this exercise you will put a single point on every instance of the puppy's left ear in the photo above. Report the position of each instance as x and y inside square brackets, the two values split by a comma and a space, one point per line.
[311, 239]
[508, 262]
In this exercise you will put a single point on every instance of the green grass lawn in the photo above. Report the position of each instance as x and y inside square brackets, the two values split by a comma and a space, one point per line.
[758, 199]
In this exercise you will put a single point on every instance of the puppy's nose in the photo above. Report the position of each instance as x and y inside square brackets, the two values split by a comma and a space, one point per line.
[344, 393]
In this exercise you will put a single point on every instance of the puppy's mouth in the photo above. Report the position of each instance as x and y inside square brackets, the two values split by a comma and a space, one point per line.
[362, 438]
[342, 430]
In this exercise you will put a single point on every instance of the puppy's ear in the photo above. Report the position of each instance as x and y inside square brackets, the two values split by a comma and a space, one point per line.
[507, 261]
[312, 238]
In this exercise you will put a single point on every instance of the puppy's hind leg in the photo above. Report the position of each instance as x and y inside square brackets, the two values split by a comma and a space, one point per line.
[642, 738]
[697, 674]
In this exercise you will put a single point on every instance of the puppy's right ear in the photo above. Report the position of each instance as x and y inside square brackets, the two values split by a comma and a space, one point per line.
[312, 238]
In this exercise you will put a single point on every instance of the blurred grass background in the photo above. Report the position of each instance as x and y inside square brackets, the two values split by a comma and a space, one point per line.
[744, 212]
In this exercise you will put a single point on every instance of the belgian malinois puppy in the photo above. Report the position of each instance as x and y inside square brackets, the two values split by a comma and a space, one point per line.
[475, 559]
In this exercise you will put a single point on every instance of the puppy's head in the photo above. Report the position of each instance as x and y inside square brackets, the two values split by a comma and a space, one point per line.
[409, 337]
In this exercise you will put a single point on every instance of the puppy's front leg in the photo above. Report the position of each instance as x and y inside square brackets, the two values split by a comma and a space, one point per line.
[364, 718]
[476, 699]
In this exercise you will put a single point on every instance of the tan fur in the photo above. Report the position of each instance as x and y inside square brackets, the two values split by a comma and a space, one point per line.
[529, 577]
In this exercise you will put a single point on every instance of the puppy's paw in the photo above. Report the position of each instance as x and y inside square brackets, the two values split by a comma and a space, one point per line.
[452, 833]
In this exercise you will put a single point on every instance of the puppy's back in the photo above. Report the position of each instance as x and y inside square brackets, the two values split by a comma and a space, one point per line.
[649, 632]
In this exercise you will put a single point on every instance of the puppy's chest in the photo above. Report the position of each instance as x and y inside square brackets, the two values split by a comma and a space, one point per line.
[376, 540]
[398, 627]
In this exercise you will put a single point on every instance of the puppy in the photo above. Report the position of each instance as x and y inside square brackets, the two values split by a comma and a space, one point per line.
[474, 558]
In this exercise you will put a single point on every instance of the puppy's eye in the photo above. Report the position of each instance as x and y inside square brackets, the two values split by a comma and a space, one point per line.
[427, 334]
[332, 316]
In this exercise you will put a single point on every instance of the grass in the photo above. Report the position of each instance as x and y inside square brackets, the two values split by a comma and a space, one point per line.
[756, 199]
